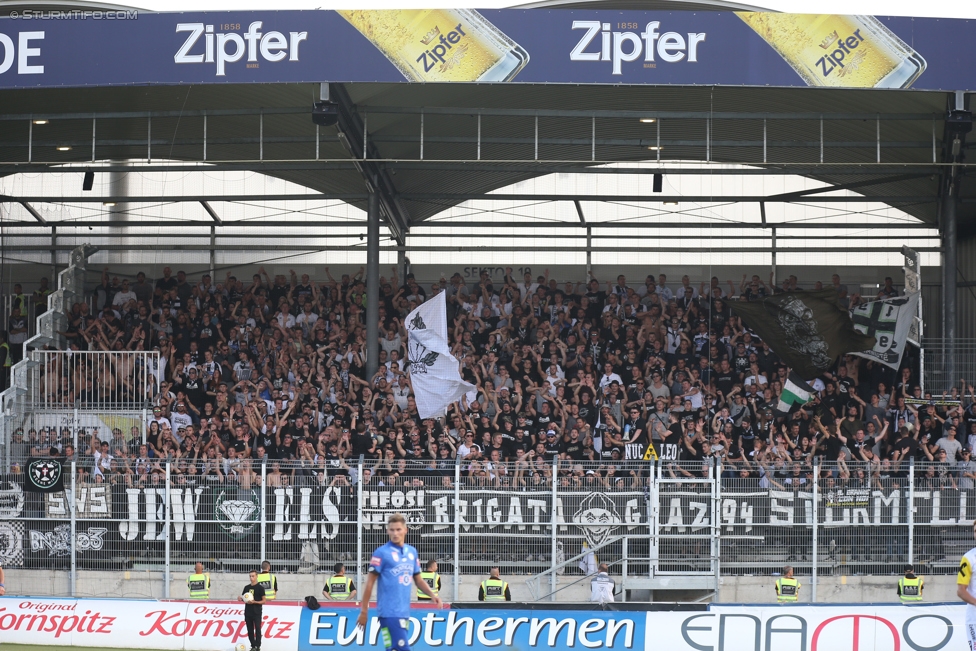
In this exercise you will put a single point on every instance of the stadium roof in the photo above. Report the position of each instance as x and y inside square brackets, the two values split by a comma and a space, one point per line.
[432, 146]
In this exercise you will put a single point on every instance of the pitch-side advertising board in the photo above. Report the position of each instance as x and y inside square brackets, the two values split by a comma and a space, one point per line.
[219, 626]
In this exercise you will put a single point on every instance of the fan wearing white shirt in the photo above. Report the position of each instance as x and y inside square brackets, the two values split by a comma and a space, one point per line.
[124, 296]
[609, 377]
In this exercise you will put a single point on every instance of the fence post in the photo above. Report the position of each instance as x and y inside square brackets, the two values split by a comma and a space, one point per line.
[814, 567]
[457, 528]
[74, 425]
[653, 551]
[359, 523]
[911, 510]
[623, 570]
[264, 514]
[166, 539]
[717, 523]
[555, 542]
[74, 532]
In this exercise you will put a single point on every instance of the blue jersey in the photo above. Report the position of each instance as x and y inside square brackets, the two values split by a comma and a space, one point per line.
[395, 568]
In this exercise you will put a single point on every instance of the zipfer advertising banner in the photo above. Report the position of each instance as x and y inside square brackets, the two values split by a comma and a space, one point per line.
[41, 48]
[219, 626]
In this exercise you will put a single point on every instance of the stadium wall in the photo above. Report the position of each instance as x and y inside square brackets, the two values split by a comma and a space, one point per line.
[732, 589]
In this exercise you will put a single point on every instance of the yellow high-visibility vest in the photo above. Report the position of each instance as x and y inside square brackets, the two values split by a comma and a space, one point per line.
[339, 587]
[494, 589]
[787, 590]
[432, 579]
[910, 589]
[269, 582]
[199, 585]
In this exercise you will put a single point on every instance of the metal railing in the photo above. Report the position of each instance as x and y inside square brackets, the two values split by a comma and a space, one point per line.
[96, 380]
[135, 512]
[937, 351]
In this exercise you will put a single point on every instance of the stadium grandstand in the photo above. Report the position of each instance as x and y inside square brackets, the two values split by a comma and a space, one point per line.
[205, 294]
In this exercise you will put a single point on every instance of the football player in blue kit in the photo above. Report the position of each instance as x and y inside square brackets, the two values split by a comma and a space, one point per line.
[394, 568]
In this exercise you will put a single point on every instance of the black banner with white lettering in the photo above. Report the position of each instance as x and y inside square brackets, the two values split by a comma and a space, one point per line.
[316, 523]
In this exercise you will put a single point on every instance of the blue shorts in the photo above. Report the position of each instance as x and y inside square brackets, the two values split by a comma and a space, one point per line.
[395, 633]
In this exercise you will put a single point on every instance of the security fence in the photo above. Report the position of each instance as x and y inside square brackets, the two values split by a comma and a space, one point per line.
[935, 370]
[653, 523]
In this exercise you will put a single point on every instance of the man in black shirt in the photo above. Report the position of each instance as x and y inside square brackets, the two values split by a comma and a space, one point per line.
[253, 610]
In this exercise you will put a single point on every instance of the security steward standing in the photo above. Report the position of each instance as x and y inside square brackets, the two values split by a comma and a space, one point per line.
[432, 579]
[787, 588]
[198, 583]
[340, 587]
[910, 586]
[493, 588]
[268, 581]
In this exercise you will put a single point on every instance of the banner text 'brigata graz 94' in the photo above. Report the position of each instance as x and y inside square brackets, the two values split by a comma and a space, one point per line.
[41, 49]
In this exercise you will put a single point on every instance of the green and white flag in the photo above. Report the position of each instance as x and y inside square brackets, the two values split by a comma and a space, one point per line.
[796, 393]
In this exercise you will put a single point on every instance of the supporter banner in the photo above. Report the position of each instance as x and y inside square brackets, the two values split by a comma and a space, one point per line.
[92, 501]
[226, 517]
[44, 475]
[848, 497]
[11, 544]
[804, 628]
[123, 47]
[11, 500]
[479, 630]
[55, 542]
[889, 321]
[172, 625]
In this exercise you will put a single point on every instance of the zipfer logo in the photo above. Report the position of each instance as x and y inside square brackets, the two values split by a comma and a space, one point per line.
[670, 47]
[225, 47]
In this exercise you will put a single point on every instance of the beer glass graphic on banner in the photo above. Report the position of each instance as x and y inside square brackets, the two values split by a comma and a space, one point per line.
[441, 44]
[839, 51]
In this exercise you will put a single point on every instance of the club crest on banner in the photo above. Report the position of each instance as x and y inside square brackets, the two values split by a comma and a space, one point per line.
[597, 517]
[237, 517]
[44, 474]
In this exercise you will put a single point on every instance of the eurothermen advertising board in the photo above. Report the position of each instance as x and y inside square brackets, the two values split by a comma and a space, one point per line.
[111, 48]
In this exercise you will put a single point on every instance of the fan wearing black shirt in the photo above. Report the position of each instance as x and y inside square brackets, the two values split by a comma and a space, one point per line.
[573, 448]
[597, 300]
[635, 433]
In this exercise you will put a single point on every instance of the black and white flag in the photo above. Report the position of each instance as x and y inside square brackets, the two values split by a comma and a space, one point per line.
[434, 371]
[889, 322]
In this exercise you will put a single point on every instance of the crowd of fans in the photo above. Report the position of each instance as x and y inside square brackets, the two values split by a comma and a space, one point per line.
[575, 379]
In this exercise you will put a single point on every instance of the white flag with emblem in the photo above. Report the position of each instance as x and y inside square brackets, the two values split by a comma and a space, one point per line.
[888, 321]
[434, 371]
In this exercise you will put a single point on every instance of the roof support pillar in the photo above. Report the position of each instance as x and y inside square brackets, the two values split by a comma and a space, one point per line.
[213, 251]
[54, 256]
[403, 265]
[372, 285]
[959, 122]
[949, 240]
